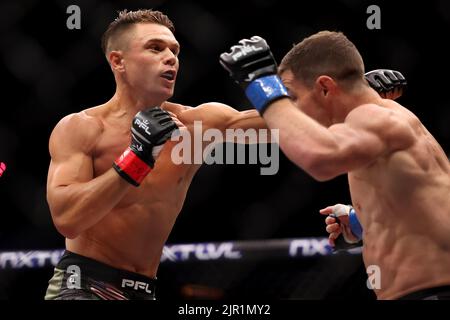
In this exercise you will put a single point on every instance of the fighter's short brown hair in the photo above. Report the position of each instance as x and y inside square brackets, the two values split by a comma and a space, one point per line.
[324, 53]
[126, 19]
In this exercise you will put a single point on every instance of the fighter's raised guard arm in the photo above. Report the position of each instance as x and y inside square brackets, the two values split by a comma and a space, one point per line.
[77, 200]
[368, 131]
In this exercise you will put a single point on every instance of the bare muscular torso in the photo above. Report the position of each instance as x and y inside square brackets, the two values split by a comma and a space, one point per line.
[403, 203]
[133, 234]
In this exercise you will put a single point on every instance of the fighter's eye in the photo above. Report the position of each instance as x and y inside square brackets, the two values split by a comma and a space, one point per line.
[155, 48]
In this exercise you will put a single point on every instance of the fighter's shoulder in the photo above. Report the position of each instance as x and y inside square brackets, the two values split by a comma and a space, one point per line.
[374, 115]
[387, 122]
[77, 129]
[79, 123]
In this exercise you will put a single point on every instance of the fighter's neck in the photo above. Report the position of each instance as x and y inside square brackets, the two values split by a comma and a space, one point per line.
[364, 96]
[125, 104]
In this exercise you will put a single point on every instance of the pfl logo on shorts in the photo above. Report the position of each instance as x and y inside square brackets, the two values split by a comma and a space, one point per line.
[2, 168]
[374, 277]
[136, 285]
[74, 280]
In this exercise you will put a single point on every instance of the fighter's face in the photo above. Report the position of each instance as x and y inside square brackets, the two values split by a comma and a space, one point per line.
[304, 98]
[151, 60]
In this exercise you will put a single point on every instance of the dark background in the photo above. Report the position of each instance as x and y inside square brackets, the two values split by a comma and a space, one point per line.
[49, 71]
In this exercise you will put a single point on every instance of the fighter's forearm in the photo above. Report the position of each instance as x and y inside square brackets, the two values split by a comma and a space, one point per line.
[250, 121]
[77, 207]
[304, 141]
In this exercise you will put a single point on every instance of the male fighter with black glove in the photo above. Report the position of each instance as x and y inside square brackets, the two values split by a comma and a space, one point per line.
[115, 233]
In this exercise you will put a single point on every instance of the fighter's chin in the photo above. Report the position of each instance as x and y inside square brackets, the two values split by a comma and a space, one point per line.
[165, 94]
[168, 93]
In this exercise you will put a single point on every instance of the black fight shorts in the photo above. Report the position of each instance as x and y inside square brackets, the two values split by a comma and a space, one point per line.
[80, 278]
[437, 293]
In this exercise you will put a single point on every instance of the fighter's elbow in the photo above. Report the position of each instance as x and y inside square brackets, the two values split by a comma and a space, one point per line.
[321, 176]
[66, 227]
[320, 168]
[67, 231]
[322, 164]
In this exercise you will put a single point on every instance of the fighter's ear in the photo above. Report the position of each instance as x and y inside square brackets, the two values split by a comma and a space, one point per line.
[325, 85]
[115, 59]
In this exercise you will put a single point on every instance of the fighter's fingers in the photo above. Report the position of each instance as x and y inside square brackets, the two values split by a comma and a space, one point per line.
[398, 92]
[331, 241]
[326, 211]
[330, 220]
[335, 235]
[332, 238]
[393, 94]
[332, 228]
[177, 121]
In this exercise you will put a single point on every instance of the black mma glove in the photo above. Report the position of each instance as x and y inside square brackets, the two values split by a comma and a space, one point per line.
[150, 129]
[384, 80]
[252, 65]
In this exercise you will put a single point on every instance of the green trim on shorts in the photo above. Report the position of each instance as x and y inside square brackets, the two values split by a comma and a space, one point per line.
[55, 285]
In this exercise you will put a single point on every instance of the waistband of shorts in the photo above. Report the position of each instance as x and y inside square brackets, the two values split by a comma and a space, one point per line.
[99, 271]
[427, 293]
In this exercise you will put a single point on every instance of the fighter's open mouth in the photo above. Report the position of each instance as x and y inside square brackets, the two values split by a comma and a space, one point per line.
[169, 75]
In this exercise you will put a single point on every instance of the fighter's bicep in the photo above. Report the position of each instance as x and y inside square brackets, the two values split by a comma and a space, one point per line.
[76, 168]
[211, 115]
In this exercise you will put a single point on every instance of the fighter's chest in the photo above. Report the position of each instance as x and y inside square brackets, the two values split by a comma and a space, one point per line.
[109, 147]
[166, 172]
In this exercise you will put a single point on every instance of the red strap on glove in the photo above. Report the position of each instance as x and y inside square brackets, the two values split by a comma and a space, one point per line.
[131, 167]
